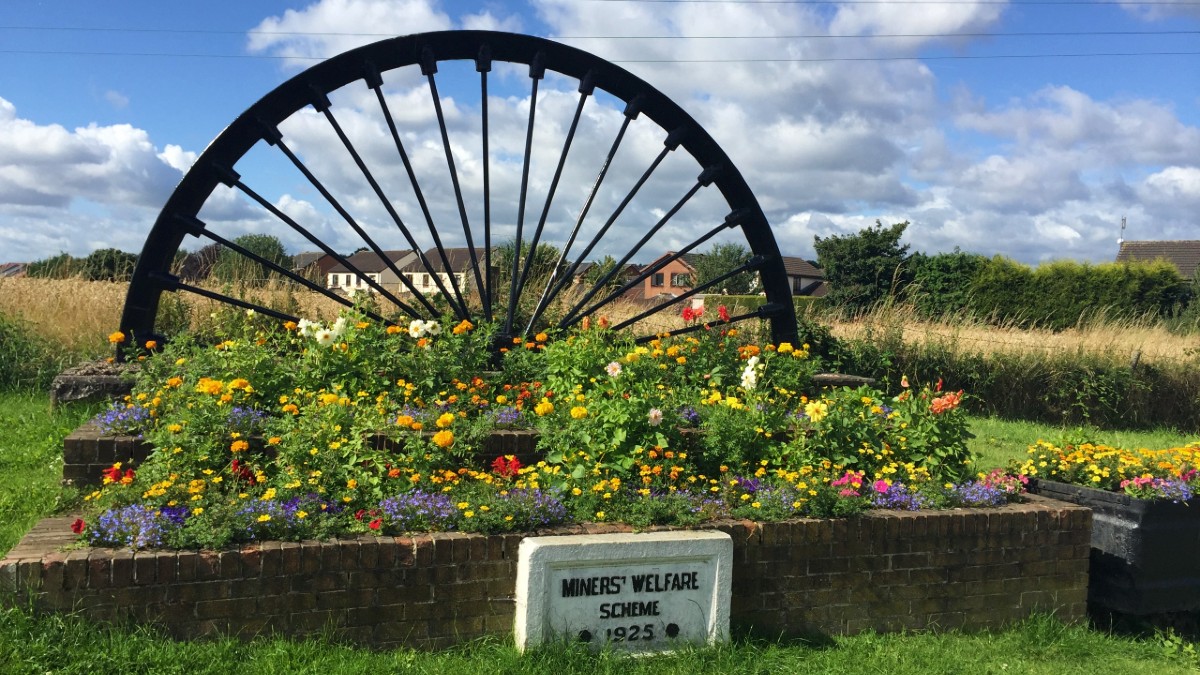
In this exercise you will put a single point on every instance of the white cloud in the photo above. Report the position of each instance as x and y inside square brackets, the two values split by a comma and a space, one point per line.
[58, 186]
[116, 99]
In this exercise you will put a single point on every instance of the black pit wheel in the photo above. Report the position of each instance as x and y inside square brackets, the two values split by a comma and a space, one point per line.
[403, 166]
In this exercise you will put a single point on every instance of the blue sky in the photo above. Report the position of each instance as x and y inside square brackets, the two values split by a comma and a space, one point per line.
[937, 113]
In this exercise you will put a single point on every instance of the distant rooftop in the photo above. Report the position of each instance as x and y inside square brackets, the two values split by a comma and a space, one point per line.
[1183, 254]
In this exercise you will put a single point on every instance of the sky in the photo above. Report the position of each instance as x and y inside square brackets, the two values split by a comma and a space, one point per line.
[1024, 129]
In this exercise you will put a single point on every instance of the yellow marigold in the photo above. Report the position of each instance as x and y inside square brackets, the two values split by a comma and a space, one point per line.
[239, 446]
[543, 408]
[116, 338]
[463, 327]
[151, 344]
[443, 438]
[541, 337]
[445, 420]
[207, 385]
[579, 412]
[785, 348]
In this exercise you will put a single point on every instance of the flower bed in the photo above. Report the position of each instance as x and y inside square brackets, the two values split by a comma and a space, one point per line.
[886, 571]
[286, 431]
[1146, 529]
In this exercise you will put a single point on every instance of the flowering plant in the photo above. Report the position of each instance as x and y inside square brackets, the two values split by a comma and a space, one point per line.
[1144, 474]
[300, 430]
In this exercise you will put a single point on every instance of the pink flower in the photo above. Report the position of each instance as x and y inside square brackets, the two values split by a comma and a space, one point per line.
[655, 417]
[881, 487]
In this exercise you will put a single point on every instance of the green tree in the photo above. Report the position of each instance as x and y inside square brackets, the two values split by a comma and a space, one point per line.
[233, 267]
[723, 259]
[1002, 291]
[863, 269]
[108, 264]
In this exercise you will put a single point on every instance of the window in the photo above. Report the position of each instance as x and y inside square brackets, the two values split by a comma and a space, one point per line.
[426, 281]
[347, 281]
[657, 279]
[681, 280]
[333, 281]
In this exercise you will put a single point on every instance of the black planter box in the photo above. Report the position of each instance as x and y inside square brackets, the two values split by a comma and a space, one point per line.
[1145, 554]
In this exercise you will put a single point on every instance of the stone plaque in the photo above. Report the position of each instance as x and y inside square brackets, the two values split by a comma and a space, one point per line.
[634, 592]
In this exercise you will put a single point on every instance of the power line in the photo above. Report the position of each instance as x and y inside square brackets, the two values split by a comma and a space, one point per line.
[808, 36]
[819, 59]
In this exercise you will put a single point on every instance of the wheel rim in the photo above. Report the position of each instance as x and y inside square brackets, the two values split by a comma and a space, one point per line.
[498, 292]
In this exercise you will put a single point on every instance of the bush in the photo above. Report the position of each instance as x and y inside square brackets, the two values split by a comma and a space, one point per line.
[26, 361]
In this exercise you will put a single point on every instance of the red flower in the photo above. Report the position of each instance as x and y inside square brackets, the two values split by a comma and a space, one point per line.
[374, 524]
[688, 314]
[78, 526]
[506, 466]
[359, 514]
[112, 474]
[723, 313]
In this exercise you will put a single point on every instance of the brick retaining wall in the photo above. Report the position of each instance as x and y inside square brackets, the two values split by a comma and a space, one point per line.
[886, 571]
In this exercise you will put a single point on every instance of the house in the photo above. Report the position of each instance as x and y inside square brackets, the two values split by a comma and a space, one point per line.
[804, 278]
[1183, 254]
[673, 279]
[12, 270]
[313, 264]
[461, 266]
[341, 278]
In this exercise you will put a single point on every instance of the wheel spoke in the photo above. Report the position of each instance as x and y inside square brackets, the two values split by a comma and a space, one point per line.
[704, 179]
[764, 311]
[375, 81]
[234, 181]
[586, 87]
[753, 264]
[537, 70]
[483, 64]
[429, 69]
[554, 285]
[732, 220]
[322, 105]
[198, 228]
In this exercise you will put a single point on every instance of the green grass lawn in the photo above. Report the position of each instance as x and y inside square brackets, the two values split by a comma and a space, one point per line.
[30, 466]
[999, 441]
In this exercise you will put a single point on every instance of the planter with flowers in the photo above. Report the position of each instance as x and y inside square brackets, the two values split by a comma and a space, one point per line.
[286, 431]
[1146, 520]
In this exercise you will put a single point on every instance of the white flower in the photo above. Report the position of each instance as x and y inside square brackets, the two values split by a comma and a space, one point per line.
[750, 374]
[433, 327]
[339, 327]
[250, 312]
[613, 369]
[416, 328]
[655, 417]
[325, 337]
[306, 327]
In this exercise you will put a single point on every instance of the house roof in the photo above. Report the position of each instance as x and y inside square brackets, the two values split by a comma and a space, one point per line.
[1183, 254]
[799, 267]
[369, 262]
[306, 258]
[12, 269]
[459, 259]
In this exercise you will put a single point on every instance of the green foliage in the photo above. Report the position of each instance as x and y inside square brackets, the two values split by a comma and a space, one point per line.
[723, 259]
[61, 266]
[941, 283]
[26, 360]
[232, 267]
[1060, 294]
[107, 264]
[865, 268]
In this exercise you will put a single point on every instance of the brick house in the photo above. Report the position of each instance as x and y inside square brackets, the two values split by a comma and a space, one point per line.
[673, 279]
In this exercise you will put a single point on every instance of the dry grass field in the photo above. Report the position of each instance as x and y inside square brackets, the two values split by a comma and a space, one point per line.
[1115, 340]
[78, 315]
